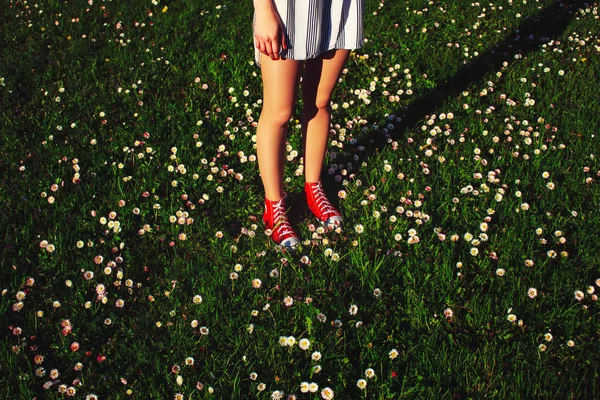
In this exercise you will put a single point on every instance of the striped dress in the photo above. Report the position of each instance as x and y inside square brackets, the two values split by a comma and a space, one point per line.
[313, 27]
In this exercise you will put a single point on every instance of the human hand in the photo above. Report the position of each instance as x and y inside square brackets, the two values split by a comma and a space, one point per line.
[268, 32]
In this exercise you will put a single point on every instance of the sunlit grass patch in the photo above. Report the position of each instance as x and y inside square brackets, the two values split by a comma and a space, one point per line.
[462, 154]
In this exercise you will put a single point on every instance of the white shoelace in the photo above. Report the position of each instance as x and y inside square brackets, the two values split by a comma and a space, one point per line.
[280, 220]
[322, 201]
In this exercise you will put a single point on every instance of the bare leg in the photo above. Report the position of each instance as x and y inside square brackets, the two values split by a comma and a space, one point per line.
[280, 81]
[318, 81]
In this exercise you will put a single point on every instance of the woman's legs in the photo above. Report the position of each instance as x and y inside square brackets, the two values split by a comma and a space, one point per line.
[280, 81]
[318, 81]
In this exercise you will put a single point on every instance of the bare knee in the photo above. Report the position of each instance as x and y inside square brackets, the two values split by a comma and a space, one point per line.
[278, 117]
[316, 106]
[323, 103]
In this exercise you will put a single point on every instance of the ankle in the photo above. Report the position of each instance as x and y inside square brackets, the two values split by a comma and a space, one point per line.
[309, 184]
[275, 199]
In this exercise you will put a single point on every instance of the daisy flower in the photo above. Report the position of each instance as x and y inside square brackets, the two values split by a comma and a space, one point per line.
[304, 344]
[327, 393]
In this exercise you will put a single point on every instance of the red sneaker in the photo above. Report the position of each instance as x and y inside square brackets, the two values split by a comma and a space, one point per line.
[275, 219]
[320, 206]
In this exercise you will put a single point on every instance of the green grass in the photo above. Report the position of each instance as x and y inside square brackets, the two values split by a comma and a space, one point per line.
[98, 118]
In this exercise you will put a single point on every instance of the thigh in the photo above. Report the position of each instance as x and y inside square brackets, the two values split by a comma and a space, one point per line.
[280, 82]
[321, 75]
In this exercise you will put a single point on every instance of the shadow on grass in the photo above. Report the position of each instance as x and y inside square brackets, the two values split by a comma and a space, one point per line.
[530, 35]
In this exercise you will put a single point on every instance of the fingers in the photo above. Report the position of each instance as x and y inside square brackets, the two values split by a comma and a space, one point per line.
[283, 42]
[274, 49]
[268, 47]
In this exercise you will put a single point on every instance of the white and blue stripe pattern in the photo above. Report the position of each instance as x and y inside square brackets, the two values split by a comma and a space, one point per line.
[313, 27]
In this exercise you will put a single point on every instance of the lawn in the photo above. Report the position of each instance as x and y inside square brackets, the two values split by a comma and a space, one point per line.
[463, 156]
